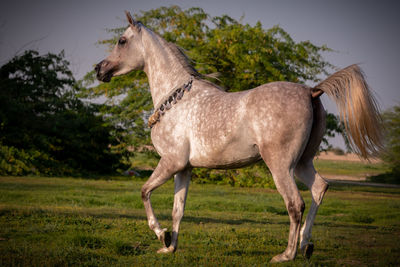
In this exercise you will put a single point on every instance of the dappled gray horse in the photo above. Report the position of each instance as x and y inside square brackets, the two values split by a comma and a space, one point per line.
[196, 124]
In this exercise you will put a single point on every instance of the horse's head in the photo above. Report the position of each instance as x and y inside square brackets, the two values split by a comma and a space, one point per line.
[127, 54]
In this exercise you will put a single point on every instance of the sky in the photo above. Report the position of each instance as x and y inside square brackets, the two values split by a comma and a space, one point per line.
[362, 31]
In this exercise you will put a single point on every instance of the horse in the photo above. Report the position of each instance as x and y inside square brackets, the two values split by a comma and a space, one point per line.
[197, 124]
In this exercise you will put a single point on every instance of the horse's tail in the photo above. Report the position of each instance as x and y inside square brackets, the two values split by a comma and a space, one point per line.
[357, 107]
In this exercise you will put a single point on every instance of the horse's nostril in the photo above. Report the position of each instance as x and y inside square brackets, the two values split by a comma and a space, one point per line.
[97, 68]
[101, 64]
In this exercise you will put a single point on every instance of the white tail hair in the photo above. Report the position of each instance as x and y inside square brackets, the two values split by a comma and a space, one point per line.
[358, 109]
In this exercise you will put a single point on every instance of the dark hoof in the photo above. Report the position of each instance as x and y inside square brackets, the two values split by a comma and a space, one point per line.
[165, 238]
[308, 250]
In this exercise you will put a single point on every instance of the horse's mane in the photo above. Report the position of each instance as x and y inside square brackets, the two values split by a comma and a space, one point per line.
[186, 62]
[180, 55]
[183, 59]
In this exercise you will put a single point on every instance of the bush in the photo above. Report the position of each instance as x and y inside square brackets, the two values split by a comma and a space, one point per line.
[18, 162]
[15, 162]
[337, 151]
[391, 156]
[385, 178]
[44, 127]
[256, 175]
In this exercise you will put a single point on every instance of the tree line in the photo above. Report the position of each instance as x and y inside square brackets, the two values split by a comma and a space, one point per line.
[48, 127]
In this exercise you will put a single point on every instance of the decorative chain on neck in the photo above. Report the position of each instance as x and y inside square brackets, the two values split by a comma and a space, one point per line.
[168, 101]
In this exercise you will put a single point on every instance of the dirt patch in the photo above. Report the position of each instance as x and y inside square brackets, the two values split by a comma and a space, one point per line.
[346, 157]
[343, 177]
[361, 183]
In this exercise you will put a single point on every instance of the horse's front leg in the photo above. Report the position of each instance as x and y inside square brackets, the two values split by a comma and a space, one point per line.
[182, 180]
[164, 170]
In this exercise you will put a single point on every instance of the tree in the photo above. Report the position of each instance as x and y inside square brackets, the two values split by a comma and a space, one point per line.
[334, 126]
[391, 120]
[44, 127]
[244, 56]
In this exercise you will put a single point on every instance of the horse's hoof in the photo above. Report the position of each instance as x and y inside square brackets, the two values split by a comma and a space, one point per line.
[307, 250]
[280, 258]
[166, 250]
[165, 238]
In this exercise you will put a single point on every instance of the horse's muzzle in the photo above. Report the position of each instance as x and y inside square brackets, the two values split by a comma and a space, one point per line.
[103, 71]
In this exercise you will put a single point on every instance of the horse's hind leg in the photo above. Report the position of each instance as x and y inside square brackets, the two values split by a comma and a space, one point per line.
[182, 180]
[306, 173]
[163, 172]
[284, 181]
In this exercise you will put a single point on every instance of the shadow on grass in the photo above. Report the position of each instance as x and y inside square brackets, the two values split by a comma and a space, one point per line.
[96, 213]
[385, 178]
[200, 220]
[347, 225]
[62, 188]
[163, 217]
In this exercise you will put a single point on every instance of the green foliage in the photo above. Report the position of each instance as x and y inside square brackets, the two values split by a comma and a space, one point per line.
[44, 128]
[19, 162]
[391, 156]
[243, 55]
[334, 126]
[14, 161]
[392, 126]
[337, 151]
[257, 175]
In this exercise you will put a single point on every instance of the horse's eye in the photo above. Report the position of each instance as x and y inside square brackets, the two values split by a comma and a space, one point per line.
[122, 41]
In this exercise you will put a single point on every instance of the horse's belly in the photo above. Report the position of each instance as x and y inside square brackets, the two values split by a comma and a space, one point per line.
[231, 155]
[227, 163]
[224, 139]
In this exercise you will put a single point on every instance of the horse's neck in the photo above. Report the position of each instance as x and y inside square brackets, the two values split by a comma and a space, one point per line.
[163, 69]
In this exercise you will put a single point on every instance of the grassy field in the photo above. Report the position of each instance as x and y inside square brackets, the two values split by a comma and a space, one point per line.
[79, 222]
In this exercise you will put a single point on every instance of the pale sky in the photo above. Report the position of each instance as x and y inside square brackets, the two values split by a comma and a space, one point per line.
[365, 32]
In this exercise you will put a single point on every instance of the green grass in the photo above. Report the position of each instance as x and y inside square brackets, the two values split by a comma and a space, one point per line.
[78, 222]
[348, 168]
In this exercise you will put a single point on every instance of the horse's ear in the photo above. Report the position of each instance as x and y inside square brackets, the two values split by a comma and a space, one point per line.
[129, 18]
[133, 23]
